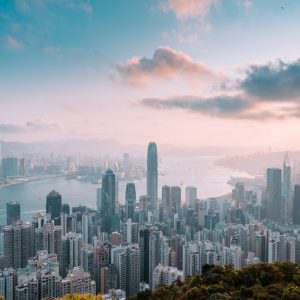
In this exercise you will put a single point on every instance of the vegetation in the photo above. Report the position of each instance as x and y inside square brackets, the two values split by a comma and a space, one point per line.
[81, 297]
[255, 282]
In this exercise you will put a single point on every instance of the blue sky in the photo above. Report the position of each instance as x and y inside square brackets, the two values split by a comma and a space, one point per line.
[68, 65]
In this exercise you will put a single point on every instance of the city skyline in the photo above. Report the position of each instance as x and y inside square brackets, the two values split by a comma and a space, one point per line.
[93, 70]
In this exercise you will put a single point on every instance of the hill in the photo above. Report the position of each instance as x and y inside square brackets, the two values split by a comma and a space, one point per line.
[255, 282]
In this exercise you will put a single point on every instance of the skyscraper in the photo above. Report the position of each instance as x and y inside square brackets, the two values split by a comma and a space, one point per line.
[12, 212]
[191, 196]
[296, 209]
[54, 206]
[286, 189]
[274, 203]
[152, 176]
[127, 262]
[130, 199]
[108, 201]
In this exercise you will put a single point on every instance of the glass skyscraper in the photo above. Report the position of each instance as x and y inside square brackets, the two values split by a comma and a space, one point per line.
[152, 176]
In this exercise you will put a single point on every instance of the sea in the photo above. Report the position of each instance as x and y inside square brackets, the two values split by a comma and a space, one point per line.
[210, 179]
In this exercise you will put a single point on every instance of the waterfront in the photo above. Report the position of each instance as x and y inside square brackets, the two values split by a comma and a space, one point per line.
[210, 179]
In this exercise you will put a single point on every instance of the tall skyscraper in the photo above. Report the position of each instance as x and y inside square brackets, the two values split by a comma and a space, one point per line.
[130, 199]
[296, 209]
[191, 196]
[286, 189]
[12, 212]
[274, 204]
[54, 206]
[152, 176]
[127, 262]
[18, 244]
[108, 202]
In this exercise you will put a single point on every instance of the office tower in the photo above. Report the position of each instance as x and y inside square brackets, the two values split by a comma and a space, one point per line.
[130, 232]
[296, 206]
[191, 196]
[261, 246]
[152, 176]
[53, 206]
[85, 228]
[10, 167]
[71, 246]
[78, 282]
[127, 262]
[108, 279]
[22, 170]
[87, 259]
[99, 192]
[150, 253]
[51, 239]
[286, 190]
[176, 199]
[130, 200]
[211, 220]
[238, 194]
[8, 281]
[274, 203]
[13, 213]
[101, 260]
[109, 202]
[65, 209]
[165, 275]
[18, 244]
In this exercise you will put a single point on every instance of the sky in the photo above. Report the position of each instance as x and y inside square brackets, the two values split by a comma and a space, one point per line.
[187, 73]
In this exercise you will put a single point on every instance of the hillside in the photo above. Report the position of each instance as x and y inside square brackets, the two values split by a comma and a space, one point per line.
[256, 282]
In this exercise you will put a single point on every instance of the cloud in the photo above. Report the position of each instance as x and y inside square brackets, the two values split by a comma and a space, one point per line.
[28, 127]
[273, 82]
[12, 43]
[236, 107]
[166, 63]
[220, 106]
[185, 9]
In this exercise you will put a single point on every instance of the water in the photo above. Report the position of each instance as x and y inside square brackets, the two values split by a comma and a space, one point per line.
[211, 181]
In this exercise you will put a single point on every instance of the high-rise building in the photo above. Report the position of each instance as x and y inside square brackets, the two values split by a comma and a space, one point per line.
[274, 203]
[71, 245]
[176, 199]
[8, 281]
[191, 196]
[152, 176]
[286, 190]
[10, 167]
[130, 200]
[99, 193]
[54, 206]
[165, 275]
[13, 212]
[18, 244]
[127, 262]
[296, 209]
[149, 244]
[78, 282]
[109, 202]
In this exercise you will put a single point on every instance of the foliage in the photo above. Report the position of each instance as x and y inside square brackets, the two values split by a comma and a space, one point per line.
[81, 297]
[255, 282]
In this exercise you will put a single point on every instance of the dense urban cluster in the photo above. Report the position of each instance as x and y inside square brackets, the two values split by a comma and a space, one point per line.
[123, 250]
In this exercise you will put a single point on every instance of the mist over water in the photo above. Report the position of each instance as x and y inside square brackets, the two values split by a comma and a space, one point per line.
[211, 181]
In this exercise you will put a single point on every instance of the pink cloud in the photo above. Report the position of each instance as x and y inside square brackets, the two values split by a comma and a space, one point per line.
[166, 63]
[185, 9]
